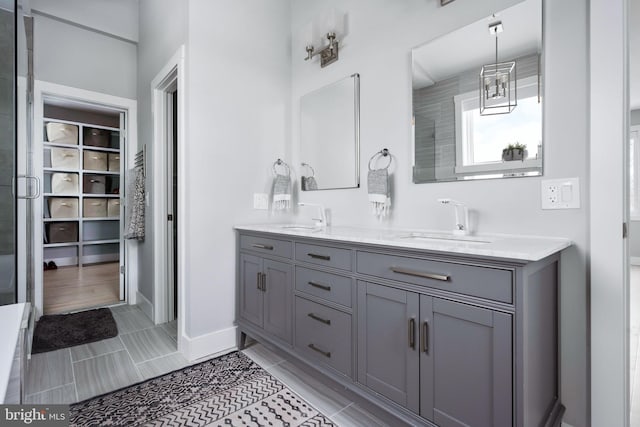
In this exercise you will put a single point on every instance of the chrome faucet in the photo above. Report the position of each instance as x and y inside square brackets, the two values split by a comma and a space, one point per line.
[462, 216]
[319, 222]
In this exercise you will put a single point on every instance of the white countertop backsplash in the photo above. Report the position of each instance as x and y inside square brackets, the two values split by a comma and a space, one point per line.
[515, 247]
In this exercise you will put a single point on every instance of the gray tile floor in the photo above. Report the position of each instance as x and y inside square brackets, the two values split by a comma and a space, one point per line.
[142, 351]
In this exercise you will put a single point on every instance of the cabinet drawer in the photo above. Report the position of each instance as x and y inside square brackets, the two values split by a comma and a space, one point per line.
[324, 285]
[483, 282]
[323, 334]
[266, 245]
[324, 255]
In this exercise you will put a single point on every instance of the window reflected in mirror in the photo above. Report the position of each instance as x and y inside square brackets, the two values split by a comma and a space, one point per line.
[455, 136]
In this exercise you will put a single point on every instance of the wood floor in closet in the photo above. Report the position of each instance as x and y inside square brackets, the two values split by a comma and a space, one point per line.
[73, 288]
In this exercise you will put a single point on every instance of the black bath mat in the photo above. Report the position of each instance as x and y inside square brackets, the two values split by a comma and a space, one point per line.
[57, 331]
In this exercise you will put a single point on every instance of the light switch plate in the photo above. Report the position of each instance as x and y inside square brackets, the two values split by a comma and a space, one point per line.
[560, 193]
[261, 201]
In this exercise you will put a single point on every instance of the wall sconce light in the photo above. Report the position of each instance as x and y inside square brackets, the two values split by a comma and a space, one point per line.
[498, 84]
[329, 24]
[328, 55]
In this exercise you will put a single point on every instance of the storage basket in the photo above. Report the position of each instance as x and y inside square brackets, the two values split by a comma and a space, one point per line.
[94, 208]
[96, 137]
[63, 232]
[94, 184]
[114, 162]
[63, 207]
[64, 158]
[95, 161]
[62, 133]
[64, 183]
[113, 208]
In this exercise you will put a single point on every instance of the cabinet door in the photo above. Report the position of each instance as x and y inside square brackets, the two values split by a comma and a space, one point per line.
[278, 301]
[388, 343]
[466, 369]
[251, 307]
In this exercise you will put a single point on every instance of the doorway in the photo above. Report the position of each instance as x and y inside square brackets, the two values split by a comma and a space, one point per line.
[167, 194]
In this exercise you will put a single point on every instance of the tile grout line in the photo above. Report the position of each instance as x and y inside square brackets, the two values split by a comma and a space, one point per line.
[158, 357]
[73, 374]
[341, 410]
[132, 361]
[49, 389]
[97, 355]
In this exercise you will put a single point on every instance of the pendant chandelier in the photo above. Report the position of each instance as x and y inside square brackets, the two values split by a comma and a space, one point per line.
[498, 91]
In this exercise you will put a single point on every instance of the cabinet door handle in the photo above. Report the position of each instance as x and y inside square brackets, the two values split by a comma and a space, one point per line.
[319, 319]
[412, 333]
[322, 352]
[409, 272]
[425, 337]
[320, 286]
[322, 257]
[264, 282]
[259, 281]
[261, 246]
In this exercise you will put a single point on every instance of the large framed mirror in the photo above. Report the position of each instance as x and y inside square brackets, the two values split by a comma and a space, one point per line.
[330, 136]
[478, 98]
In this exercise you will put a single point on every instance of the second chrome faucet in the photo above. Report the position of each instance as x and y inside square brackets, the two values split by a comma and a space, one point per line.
[462, 216]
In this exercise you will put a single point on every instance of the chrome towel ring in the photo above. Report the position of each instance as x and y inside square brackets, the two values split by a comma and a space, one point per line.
[381, 154]
[282, 164]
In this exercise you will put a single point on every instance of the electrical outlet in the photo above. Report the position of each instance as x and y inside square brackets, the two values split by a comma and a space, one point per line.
[560, 193]
[261, 201]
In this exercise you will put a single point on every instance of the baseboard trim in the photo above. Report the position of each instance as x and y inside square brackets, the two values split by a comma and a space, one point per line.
[208, 345]
[145, 305]
[635, 260]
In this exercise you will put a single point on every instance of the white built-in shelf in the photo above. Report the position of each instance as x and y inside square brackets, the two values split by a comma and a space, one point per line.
[100, 242]
[61, 195]
[60, 219]
[81, 124]
[102, 196]
[103, 218]
[60, 245]
[93, 172]
[63, 170]
[83, 147]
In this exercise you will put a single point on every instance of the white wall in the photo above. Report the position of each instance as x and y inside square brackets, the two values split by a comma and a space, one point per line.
[381, 35]
[238, 123]
[117, 17]
[72, 56]
[162, 30]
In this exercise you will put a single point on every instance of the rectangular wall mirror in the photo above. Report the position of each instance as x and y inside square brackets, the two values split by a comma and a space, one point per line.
[330, 136]
[477, 99]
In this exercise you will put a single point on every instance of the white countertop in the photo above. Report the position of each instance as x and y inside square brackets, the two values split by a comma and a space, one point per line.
[514, 247]
[11, 321]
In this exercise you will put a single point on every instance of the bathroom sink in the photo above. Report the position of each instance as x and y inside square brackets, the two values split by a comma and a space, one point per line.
[443, 238]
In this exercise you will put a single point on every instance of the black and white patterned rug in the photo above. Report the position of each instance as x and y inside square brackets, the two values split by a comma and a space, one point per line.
[231, 390]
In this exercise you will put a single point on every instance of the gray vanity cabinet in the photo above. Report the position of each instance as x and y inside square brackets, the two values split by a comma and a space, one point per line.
[430, 354]
[437, 339]
[465, 364]
[266, 289]
[387, 348]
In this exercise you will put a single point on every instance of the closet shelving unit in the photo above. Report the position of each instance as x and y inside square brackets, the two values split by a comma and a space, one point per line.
[106, 229]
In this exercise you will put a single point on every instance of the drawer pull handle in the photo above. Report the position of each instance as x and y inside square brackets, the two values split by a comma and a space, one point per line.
[261, 246]
[401, 270]
[425, 337]
[322, 257]
[322, 352]
[319, 319]
[412, 333]
[320, 286]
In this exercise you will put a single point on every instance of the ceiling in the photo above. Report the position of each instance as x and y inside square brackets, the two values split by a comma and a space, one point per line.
[437, 60]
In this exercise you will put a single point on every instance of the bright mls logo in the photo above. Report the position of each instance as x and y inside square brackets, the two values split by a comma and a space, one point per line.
[51, 415]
